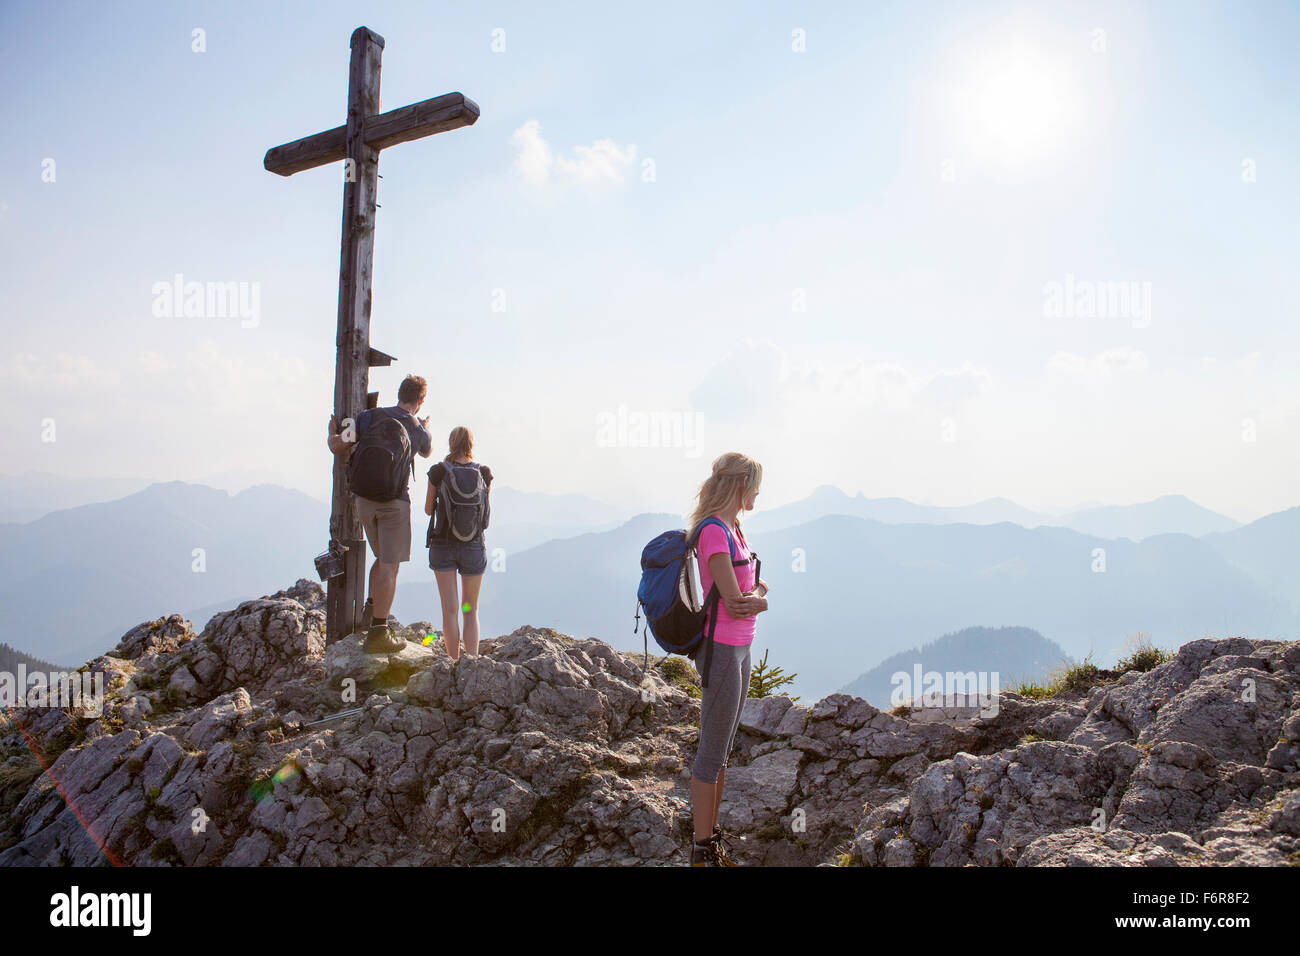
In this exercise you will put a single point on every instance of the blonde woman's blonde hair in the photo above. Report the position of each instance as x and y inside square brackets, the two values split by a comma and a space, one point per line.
[461, 442]
[732, 474]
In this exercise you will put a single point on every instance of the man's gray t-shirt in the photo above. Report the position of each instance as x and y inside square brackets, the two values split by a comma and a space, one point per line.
[421, 440]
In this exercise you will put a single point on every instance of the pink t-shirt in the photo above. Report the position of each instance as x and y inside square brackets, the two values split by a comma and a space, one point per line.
[713, 540]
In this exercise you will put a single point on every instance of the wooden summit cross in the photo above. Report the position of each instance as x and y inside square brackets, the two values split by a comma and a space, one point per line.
[358, 143]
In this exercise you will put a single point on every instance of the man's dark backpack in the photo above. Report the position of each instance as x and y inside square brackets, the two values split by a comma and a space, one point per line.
[383, 461]
[463, 501]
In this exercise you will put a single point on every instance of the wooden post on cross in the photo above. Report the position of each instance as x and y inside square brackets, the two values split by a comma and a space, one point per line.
[358, 143]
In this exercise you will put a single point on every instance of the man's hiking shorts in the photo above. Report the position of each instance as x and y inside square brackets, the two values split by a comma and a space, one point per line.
[388, 528]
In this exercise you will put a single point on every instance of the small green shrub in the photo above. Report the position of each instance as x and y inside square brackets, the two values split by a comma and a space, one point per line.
[1032, 689]
[17, 778]
[764, 680]
[165, 850]
[679, 672]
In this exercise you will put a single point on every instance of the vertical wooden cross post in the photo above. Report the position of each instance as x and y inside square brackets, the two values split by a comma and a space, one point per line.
[358, 143]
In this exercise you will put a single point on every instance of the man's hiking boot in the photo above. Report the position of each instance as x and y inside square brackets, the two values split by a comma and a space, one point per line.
[368, 613]
[380, 640]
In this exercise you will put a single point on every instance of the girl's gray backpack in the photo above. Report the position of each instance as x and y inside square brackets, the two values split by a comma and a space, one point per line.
[463, 500]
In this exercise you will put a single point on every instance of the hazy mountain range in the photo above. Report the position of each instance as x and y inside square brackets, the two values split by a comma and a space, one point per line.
[10, 660]
[867, 589]
[1013, 653]
[75, 579]
[33, 494]
[848, 591]
[1170, 514]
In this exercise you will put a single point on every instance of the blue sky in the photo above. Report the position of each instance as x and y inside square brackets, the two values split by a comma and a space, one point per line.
[916, 177]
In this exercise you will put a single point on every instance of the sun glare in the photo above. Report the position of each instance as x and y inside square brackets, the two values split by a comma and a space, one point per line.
[1017, 105]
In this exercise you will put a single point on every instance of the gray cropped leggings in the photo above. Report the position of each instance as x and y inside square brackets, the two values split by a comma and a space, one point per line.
[720, 708]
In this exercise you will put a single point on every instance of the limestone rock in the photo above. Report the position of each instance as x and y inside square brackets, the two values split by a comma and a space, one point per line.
[546, 750]
[763, 715]
[347, 658]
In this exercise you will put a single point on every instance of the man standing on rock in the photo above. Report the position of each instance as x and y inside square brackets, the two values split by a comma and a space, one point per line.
[380, 452]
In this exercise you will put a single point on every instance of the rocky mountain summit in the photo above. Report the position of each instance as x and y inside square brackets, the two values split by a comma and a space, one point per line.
[549, 750]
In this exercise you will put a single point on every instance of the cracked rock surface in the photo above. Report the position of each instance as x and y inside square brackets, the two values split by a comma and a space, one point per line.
[549, 750]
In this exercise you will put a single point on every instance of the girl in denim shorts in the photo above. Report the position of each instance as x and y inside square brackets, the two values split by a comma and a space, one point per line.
[457, 505]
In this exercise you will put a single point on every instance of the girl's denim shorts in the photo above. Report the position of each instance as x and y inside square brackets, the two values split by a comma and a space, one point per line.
[467, 557]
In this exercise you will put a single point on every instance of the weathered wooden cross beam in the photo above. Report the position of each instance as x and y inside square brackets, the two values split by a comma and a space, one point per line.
[358, 143]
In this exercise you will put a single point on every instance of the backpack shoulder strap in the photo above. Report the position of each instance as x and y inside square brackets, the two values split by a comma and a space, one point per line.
[456, 471]
[391, 416]
[731, 542]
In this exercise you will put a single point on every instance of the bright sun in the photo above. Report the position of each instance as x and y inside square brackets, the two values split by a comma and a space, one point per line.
[1017, 105]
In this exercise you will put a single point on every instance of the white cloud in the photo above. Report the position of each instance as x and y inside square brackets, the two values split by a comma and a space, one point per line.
[601, 162]
[1099, 367]
[61, 369]
[536, 163]
[951, 387]
[1248, 363]
[534, 159]
[745, 385]
[758, 378]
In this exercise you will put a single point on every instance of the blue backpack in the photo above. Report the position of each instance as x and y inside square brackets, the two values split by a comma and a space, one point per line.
[675, 614]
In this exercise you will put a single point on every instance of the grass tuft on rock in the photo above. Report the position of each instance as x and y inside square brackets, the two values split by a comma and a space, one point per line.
[1070, 678]
[1144, 656]
[680, 672]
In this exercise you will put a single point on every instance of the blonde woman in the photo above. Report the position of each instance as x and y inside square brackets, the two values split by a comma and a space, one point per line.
[725, 560]
[458, 509]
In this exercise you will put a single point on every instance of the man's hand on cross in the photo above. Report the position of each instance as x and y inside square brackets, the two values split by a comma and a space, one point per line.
[337, 442]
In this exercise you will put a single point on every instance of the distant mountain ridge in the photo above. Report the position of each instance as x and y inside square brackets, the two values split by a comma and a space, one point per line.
[847, 591]
[33, 494]
[76, 577]
[1013, 653]
[10, 660]
[1268, 549]
[1169, 514]
[71, 578]
[541, 516]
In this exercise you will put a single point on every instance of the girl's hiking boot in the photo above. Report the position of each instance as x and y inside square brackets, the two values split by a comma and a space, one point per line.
[380, 640]
[721, 849]
[713, 853]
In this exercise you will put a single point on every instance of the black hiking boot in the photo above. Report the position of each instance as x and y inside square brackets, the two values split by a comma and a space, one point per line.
[380, 640]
